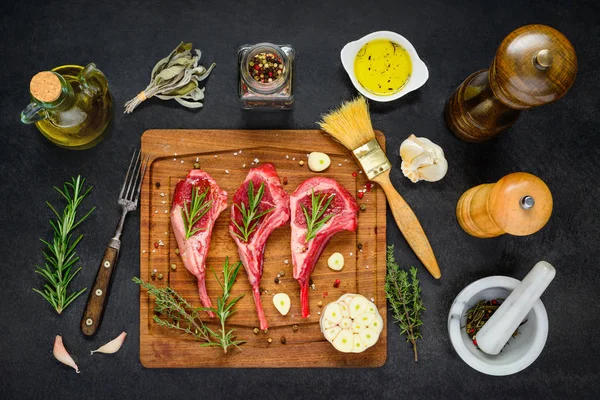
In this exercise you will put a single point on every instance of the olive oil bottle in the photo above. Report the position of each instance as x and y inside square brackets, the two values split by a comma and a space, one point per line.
[71, 105]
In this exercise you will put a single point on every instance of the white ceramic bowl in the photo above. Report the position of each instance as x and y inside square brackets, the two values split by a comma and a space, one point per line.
[520, 351]
[419, 76]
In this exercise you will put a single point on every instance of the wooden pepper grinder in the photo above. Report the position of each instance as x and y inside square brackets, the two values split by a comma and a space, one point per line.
[518, 204]
[534, 65]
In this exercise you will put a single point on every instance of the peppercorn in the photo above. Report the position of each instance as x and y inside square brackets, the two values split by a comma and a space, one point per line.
[360, 195]
[301, 162]
[156, 245]
[295, 328]
[281, 273]
[285, 180]
[283, 340]
[368, 186]
[363, 207]
[157, 184]
[153, 275]
[336, 284]
[276, 280]
[196, 165]
[320, 304]
[256, 330]
[173, 267]
[359, 246]
[270, 340]
[160, 277]
[354, 174]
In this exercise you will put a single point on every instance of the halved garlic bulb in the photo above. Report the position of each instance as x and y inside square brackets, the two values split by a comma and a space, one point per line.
[422, 160]
[351, 324]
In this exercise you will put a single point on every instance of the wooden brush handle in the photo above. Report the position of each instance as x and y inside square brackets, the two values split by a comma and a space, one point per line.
[94, 309]
[409, 225]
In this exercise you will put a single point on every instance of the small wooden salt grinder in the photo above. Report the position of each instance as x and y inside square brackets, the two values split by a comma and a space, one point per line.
[518, 204]
[534, 65]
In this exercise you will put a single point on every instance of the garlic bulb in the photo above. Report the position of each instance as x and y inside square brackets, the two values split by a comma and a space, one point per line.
[351, 324]
[422, 160]
[61, 354]
[113, 346]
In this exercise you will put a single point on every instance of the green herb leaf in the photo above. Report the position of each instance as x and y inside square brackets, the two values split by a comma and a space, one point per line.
[60, 253]
[250, 214]
[405, 299]
[180, 315]
[193, 210]
[315, 219]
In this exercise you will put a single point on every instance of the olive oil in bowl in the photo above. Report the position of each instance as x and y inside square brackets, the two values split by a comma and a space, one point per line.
[382, 67]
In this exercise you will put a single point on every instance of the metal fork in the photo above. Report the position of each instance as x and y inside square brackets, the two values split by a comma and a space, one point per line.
[128, 200]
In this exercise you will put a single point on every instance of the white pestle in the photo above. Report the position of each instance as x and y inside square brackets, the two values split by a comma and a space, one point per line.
[496, 332]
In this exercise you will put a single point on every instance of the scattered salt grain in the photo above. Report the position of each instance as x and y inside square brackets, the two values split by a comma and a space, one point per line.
[226, 171]
[162, 195]
[318, 312]
[155, 270]
[215, 156]
[367, 267]
[350, 254]
[154, 251]
[197, 159]
[360, 172]
[174, 159]
[182, 161]
[155, 211]
[256, 160]
[143, 251]
[175, 154]
[240, 152]
[372, 300]
[243, 165]
[286, 156]
[235, 154]
[294, 159]
[163, 202]
[339, 165]
[166, 211]
[160, 243]
[286, 262]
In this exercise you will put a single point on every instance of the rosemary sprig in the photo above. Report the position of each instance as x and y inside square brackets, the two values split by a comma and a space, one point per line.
[224, 308]
[315, 220]
[250, 214]
[193, 210]
[178, 314]
[405, 299]
[60, 253]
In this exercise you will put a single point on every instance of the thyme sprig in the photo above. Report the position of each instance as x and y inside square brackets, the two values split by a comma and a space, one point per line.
[193, 210]
[177, 313]
[60, 256]
[315, 219]
[250, 214]
[405, 299]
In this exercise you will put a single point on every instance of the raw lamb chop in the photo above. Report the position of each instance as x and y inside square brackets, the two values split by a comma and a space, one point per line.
[339, 213]
[271, 211]
[211, 201]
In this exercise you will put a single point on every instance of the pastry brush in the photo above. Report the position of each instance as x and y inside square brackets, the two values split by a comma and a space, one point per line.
[351, 126]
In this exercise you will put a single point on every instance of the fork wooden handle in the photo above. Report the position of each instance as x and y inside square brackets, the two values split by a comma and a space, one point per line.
[98, 296]
[409, 225]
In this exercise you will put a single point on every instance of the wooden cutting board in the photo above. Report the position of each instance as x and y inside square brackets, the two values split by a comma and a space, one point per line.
[227, 155]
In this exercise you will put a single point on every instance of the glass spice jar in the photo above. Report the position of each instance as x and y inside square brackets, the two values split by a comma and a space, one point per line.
[266, 76]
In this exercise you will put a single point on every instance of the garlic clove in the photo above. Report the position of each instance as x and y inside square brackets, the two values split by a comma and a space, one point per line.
[422, 160]
[410, 148]
[435, 172]
[113, 346]
[61, 354]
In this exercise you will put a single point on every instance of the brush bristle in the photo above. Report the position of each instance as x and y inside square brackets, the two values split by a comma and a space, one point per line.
[350, 124]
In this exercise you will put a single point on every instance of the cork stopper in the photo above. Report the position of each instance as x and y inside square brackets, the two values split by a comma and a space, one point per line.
[45, 86]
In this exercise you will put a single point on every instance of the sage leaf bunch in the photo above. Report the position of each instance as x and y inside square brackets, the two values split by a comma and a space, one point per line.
[175, 77]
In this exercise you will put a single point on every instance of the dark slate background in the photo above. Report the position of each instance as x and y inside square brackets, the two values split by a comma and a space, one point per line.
[558, 142]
